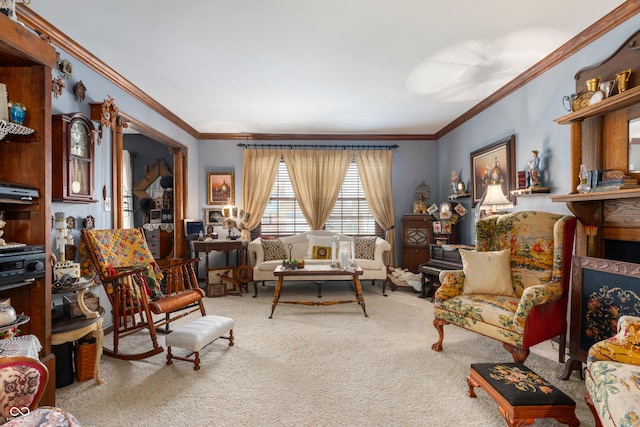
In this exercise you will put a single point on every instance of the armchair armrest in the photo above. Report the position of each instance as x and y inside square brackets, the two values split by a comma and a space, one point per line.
[451, 284]
[256, 252]
[533, 296]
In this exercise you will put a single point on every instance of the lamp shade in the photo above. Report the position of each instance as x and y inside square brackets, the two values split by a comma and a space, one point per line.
[495, 200]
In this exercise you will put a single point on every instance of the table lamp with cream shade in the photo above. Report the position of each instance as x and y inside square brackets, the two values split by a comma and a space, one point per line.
[494, 201]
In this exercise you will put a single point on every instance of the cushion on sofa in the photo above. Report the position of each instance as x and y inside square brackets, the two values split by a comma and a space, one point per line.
[321, 252]
[487, 272]
[364, 247]
[320, 241]
[273, 249]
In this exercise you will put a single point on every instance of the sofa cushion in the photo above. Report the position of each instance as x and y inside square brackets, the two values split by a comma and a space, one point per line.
[322, 241]
[364, 247]
[273, 249]
[321, 252]
[487, 272]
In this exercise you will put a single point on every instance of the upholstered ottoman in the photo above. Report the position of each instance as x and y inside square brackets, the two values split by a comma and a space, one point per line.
[521, 394]
[196, 335]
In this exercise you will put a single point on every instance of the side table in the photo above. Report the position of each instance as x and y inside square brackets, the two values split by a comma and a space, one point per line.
[69, 330]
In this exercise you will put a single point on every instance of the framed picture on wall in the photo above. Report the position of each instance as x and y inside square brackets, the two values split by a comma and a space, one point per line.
[493, 164]
[220, 188]
[213, 216]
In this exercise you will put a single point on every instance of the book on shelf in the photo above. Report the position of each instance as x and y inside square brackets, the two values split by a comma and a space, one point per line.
[614, 187]
[610, 180]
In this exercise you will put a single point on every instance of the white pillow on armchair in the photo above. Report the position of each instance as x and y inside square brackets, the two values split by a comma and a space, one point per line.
[487, 272]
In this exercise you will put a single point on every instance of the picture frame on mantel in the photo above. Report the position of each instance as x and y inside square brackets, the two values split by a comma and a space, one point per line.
[220, 188]
[493, 163]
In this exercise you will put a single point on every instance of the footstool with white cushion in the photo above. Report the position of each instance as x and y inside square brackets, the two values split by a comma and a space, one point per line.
[196, 335]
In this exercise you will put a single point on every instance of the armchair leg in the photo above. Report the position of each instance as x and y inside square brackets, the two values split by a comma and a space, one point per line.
[439, 325]
[519, 354]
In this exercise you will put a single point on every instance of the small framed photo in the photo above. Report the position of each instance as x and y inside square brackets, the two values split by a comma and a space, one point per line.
[213, 216]
[460, 209]
[446, 227]
[432, 209]
[220, 186]
[437, 227]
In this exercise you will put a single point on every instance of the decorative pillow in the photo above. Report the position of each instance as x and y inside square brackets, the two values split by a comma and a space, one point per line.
[273, 249]
[321, 252]
[364, 247]
[487, 272]
[324, 241]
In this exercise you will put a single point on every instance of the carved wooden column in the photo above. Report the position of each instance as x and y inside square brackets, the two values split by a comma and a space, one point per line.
[576, 154]
[179, 241]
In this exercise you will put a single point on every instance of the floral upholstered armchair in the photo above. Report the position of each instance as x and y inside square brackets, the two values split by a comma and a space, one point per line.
[613, 376]
[514, 287]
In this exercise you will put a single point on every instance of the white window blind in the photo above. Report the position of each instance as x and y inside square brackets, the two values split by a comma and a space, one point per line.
[351, 214]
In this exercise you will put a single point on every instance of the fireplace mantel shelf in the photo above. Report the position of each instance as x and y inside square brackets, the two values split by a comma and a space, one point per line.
[602, 195]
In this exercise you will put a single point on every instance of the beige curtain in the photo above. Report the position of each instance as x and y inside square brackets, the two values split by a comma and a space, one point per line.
[316, 177]
[374, 167]
[259, 170]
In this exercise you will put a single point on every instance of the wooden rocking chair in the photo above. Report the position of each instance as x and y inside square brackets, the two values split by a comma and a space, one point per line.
[120, 259]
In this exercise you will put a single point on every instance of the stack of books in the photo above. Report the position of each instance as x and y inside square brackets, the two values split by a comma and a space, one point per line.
[611, 180]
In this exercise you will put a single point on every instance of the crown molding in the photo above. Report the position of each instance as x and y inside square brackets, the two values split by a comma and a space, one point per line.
[51, 34]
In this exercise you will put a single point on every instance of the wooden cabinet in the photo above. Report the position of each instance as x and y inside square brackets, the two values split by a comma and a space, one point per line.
[417, 234]
[26, 62]
[160, 242]
[73, 158]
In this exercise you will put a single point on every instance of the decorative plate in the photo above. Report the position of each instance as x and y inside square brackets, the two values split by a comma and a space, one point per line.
[582, 101]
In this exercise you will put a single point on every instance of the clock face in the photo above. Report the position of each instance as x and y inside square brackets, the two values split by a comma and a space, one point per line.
[79, 140]
[445, 210]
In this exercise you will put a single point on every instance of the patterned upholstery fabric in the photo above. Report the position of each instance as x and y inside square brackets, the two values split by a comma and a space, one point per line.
[537, 243]
[46, 416]
[613, 375]
[273, 249]
[122, 248]
[364, 247]
[21, 387]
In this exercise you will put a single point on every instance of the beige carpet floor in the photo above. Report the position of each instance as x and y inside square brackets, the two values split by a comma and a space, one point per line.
[312, 366]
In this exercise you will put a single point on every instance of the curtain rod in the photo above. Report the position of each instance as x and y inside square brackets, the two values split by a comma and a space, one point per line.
[319, 146]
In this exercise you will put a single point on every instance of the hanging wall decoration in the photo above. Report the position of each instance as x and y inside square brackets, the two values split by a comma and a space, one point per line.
[57, 85]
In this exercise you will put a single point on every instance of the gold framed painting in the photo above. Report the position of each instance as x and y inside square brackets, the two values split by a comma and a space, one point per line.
[220, 188]
[493, 164]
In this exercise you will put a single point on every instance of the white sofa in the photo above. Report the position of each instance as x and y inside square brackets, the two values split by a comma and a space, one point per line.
[373, 269]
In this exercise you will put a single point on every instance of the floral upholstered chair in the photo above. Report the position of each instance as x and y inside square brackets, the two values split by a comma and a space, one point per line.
[514, 287]
[22, 384]
[613, 376]
[120, 259]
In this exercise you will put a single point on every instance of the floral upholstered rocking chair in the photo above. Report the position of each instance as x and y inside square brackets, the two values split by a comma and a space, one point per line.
[515, 286]
[120, 259]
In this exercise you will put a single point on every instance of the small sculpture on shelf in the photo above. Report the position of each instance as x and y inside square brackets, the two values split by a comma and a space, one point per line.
[533, 177]
[457, 187]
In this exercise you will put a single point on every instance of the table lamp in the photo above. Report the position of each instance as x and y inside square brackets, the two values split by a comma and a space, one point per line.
[494, 200]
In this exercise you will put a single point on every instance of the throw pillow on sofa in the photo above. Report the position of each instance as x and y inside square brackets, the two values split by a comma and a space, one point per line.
[487, 272]
[321, 242]
[364, 247]
[273, 249]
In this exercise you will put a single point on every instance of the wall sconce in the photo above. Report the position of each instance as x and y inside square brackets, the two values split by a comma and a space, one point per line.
[494, 200]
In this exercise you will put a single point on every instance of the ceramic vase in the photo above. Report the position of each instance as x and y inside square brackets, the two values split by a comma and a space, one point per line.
[17, 113]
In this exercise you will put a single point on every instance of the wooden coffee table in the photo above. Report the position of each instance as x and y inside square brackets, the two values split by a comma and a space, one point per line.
[312, 272]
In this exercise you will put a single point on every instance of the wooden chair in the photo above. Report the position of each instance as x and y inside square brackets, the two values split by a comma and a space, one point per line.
[120, 259]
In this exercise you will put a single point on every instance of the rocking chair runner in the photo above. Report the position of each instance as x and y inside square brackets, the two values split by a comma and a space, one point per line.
[122, 262]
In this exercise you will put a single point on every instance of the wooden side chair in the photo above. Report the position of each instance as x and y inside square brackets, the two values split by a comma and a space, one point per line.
[120, 259]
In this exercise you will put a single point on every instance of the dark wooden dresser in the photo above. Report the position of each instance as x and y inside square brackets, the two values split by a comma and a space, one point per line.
[417, 234]
[440, 259]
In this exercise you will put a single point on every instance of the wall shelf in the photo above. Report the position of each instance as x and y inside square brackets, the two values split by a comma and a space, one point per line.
[601, 195]
[613, 103]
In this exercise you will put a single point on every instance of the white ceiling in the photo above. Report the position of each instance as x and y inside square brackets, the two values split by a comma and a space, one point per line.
[320, 66]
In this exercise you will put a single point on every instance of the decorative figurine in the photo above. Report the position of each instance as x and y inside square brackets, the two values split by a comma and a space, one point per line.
[534, 169]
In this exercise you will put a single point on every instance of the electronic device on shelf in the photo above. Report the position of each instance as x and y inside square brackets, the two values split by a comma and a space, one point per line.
[16, 191]
[20, 262]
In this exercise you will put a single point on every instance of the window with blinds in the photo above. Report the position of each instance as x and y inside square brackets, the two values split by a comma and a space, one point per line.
[351, 214]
